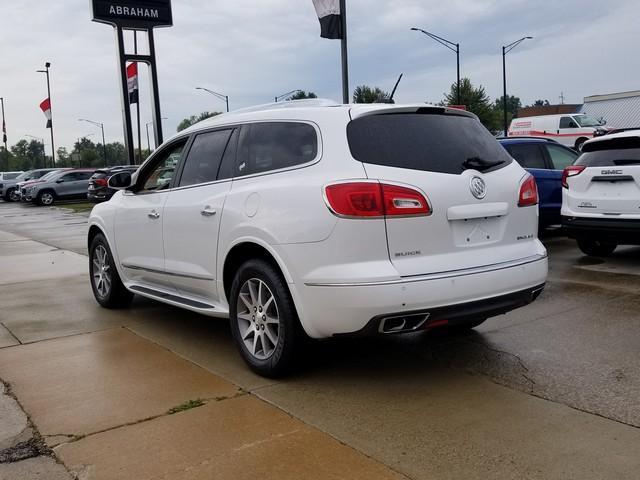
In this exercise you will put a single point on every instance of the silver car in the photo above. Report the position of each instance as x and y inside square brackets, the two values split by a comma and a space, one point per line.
[9, 188]
[62, 185]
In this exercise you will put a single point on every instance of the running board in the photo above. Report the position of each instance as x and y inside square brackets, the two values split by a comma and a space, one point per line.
[167, 297]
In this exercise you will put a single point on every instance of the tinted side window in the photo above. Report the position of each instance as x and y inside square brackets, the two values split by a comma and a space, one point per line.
[274, 145]
[567, 122]
[203, 160]
[561, 157]
[71, 177]
[158, 175]
[228, 165]
[528, 156]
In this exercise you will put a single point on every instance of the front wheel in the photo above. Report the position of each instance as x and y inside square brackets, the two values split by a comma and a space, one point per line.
[596, 248]
[45, 198]
[11, 195]
[106, 284]
[264, 322]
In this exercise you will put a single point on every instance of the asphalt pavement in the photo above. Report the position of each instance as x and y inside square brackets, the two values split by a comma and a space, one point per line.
[551, 390]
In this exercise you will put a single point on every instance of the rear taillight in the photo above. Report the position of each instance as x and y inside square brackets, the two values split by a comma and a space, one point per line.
[528, 192]
[571, 171]
[373, 199]
[102, 182]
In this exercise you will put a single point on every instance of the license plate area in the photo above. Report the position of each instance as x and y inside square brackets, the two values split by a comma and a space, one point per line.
[469, 232]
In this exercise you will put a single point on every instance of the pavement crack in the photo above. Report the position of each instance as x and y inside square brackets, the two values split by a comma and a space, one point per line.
[11, 333]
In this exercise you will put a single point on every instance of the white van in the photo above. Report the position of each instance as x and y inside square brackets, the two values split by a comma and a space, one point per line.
[572, 129]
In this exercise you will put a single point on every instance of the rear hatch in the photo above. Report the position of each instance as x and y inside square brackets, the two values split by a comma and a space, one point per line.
[610, 181]
[448, 156]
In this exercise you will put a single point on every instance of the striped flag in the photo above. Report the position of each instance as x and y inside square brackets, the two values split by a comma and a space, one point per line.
[132, 82]
[45, 106]
[330, 18]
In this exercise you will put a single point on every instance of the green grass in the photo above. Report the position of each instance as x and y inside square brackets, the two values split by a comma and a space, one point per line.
[79, 207]
[186, 406]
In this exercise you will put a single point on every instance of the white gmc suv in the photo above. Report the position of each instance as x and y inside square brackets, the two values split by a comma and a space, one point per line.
[317, 219]
[601, 194]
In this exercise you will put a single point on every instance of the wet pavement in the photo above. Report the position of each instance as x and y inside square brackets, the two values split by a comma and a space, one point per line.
[548, 391]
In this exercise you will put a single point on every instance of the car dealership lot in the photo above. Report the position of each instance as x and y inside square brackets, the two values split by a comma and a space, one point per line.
[547, 391]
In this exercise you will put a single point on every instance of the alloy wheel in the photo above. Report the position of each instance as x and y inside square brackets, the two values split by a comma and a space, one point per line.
[46, 198]
[258, 319]
[101, 271]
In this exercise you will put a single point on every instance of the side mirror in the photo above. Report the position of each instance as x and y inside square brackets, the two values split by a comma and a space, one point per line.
[59, 180]
[120, 181]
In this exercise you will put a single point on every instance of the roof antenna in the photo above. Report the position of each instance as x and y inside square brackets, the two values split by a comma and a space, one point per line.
[393, 92]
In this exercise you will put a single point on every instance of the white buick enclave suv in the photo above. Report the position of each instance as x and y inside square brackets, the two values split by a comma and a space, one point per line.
[315, 219]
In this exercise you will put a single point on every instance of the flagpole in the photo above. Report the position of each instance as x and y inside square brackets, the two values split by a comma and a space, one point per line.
[345, 60]
[53, 148]
[4, 136]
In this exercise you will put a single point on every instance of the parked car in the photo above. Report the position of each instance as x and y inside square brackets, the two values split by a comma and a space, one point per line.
[9, 175]
[601, 194]
[571, 130]
[63, 185]
[545, 159]
[9, 189]
[23, 189]
[98, 190]
[317, 219]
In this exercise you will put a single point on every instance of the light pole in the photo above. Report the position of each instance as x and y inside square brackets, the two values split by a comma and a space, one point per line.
[285, 95]
[4, 135]
[53, 148]
[506, 49]
[104, 146]
[215, 94]
[41, 140]
[147, 127]
[454, 47]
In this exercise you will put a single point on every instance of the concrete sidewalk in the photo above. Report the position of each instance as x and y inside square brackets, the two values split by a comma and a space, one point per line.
[156, 392]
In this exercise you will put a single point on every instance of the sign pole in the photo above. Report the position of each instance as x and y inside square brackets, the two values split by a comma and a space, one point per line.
[124, 95]
[135, 51]
[156, 115]
[345, 60]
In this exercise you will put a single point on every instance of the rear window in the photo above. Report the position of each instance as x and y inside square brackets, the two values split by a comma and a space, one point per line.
[425, 141]
[609, 153]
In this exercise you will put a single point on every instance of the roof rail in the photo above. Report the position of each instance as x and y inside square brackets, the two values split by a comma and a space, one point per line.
[308, 102]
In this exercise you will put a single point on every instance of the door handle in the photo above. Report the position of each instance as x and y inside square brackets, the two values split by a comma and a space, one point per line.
[207, 211]
[153, 214]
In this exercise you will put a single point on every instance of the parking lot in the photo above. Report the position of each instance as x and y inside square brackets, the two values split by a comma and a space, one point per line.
[547, 391]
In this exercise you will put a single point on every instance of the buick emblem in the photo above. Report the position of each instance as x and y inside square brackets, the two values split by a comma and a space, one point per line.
[478, 188]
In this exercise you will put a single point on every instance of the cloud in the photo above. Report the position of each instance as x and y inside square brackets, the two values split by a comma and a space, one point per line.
[253, 50]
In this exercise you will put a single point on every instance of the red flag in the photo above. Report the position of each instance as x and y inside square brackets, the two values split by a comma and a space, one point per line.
[45, 106]
[132, 82]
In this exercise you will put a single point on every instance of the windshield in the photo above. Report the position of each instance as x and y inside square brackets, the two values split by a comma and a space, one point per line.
[586, 121]
[49, 175]
[24, 175]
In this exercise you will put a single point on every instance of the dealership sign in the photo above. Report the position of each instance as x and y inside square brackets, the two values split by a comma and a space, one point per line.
[133, 13]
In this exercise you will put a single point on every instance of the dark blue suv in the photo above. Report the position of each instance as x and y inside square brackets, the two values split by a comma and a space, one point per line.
[545, 159]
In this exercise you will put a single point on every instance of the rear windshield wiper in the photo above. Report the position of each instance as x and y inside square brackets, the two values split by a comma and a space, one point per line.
[480, 164]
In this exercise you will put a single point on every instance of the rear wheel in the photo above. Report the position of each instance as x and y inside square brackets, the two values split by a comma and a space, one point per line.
[45, 198]
[107, 287]
[596, 248]
[264, 322]
[579, 143]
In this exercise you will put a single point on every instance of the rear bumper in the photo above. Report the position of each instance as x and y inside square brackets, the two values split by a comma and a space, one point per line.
[329, 310]
[617, 230]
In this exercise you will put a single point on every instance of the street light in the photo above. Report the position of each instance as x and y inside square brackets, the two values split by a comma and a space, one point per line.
[450, 45]
[285, 95]
[53, 149]
[506, 49]
[104, 147]
[41, 140]
[147, 127]
[215, 94]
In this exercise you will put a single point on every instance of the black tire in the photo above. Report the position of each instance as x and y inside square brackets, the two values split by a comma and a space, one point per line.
[116, 295]
[289, 335]
[596, 248]
[46, 198]
[8, 194]
[579, 142]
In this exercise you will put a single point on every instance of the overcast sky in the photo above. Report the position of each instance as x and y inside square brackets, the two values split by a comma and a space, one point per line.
[253, 50]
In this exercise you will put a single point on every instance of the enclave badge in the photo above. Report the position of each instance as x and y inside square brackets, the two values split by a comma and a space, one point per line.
[478, 188]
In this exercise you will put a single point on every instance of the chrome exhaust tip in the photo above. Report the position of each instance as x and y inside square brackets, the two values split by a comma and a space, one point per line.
[402, 323]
